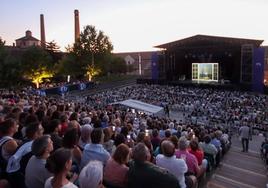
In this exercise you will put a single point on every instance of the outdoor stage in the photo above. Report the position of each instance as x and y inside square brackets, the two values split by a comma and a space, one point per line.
[203, 60]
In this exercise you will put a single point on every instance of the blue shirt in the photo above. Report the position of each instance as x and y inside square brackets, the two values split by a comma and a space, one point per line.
[216, 143]
[94, 152]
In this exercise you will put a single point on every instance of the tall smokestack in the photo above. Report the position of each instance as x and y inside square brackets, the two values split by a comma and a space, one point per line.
[42, 30]
[76, 25]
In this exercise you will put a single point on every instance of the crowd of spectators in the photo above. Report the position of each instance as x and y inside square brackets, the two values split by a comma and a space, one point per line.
[52, 142]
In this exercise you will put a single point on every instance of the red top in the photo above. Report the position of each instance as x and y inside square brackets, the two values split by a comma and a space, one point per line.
[199, 154]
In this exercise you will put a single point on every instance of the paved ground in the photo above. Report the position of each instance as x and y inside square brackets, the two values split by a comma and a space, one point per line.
[239, 169]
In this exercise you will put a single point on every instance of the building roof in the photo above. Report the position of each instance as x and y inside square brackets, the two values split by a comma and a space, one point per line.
[28, 38]
[201, 39]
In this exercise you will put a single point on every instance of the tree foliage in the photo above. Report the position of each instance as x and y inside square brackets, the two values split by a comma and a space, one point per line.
[8, 66]
[92, 49]
[52, 46]
[37, 65]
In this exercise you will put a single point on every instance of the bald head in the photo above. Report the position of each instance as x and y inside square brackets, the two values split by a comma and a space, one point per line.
[168, 148]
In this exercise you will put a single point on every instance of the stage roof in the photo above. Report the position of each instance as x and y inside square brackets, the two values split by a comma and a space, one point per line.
[140, 106]
[201, 39]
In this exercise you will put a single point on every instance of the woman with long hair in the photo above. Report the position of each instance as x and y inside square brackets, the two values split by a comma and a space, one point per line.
[59, 164]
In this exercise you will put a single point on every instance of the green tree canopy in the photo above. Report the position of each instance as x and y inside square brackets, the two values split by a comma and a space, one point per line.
[36, 64]
[92, 50]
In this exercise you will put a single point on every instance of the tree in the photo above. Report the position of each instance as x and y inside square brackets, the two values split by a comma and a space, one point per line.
[92, 72]
[37, 65]
[2, 42]
[52, 46]
[2, 50]
[93, 48]
[69, 66]
[10, 71]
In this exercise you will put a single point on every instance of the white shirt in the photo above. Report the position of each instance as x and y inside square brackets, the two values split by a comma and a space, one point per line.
[177, 167]
[48, 184]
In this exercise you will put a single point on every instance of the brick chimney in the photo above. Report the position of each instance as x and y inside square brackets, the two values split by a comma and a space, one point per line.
[76, 26]
[42, 31]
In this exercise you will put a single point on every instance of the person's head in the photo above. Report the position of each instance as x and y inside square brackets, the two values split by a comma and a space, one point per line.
[194, 145]
[168, 148]
[119, 139]
[56, 115]
[141, 153]
[85, 133]
[22, 118]
[91, 174]
[167, 133]
[32, 118]
[141, 137]
[53, 126]
[121, 154]
[124, 131]
[42, 146]
[8, 127]
[59, 161]
[174, 139]
[86, 120]
[97, 136]
[70, 138]
[207, 139]
[155, 133]
[107, 134]
[218, 134]
[182, 143]
[34, 130]
[4, 183]
[73, 124]
[73, 116]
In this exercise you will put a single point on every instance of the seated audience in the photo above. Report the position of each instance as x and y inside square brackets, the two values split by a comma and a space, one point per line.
[8, 144]
[207, 147]
[35, 173]
[95, 150]
[144, 174]
[191, 161]
[70, 141]
[198, 153]
[91, 175]
[85, 136]
[115, 171]
[169, 161]
[59, 164]
[18, 162]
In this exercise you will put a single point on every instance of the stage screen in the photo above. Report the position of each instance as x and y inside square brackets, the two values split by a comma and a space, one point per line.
[205, 71]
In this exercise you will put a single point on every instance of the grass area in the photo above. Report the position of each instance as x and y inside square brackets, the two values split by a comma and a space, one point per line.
[115, 78]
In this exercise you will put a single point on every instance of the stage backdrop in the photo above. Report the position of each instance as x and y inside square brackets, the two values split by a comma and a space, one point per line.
[258, 70]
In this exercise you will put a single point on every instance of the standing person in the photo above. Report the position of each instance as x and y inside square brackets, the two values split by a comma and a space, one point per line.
[245, 134]
[167, 110]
